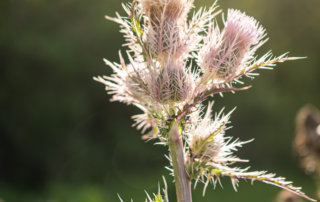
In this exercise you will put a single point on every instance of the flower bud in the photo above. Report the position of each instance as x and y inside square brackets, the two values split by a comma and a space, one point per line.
[172, 85]
[206, 137]
[205, 147]
[166, 22]
[228, 52]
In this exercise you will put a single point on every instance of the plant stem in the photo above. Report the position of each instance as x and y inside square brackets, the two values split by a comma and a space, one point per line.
[182, 181]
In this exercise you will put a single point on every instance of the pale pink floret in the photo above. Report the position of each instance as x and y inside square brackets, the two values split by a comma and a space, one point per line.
[207, 141]
[172, 10]
[243, 29]
[128, 83]
[230, 51]
[166, 21]
[173, 84]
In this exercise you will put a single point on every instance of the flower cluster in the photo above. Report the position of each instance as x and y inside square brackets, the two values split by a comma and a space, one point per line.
[174, 66]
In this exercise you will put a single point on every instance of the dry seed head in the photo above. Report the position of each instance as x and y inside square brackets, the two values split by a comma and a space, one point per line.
[307, 141]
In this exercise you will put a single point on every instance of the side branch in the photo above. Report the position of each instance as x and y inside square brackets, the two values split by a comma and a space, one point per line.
[204, 95]
[262, 177]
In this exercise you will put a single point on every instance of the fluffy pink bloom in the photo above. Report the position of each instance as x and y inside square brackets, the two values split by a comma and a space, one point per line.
[166, 21]
[172, 10]
[128, 83]
[228, 52]
[173, 84]
[207, 141]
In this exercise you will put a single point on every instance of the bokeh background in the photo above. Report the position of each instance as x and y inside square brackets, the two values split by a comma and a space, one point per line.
[61, 140]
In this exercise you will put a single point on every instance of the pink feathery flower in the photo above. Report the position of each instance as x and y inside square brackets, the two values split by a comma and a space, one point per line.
[173, 84]
[166, 21]
[128, 83]
[172, 10]
[228, 52]
[207, 141]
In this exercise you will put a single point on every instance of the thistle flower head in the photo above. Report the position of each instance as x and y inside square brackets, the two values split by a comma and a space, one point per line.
[128, 83]
[242, 30]
[161, 10]
[166, 21]
[228, 52]
[207, 141]
[173, 84]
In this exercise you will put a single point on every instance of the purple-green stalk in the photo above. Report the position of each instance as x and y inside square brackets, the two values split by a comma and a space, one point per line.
[182, 180]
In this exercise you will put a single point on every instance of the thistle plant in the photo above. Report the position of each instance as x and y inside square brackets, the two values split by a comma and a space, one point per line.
[174, 65]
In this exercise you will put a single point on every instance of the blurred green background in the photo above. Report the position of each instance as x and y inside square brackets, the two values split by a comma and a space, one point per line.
[61, 140]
